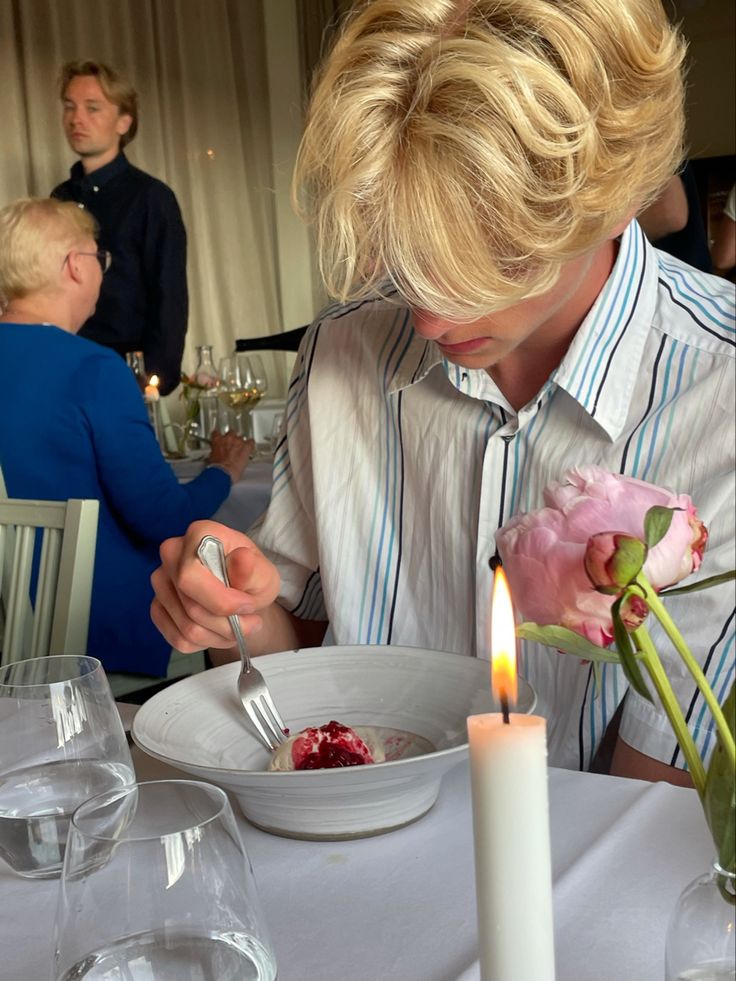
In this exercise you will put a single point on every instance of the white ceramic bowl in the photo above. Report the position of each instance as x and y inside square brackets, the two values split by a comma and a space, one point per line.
[199, 726]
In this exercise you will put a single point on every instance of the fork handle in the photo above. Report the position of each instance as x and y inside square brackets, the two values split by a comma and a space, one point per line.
[235, 624]
[212, 555]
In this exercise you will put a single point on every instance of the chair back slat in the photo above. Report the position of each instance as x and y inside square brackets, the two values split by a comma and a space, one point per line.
[48, 577]
[58, 621]
[16, 619]
[76, 568]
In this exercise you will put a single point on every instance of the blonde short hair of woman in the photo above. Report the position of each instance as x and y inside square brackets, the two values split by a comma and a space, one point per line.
[463, 151]
[35, 236]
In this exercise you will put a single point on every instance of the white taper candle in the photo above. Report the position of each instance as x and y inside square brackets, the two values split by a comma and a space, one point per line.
[513, 877]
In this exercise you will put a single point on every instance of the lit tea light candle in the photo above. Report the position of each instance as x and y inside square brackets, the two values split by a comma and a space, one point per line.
[151, 392]
[513, 871]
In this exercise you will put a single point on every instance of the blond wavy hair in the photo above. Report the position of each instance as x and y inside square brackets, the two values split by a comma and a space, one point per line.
[464, 151]
[36, 234]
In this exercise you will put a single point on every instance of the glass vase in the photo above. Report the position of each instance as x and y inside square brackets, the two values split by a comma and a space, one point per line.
[701, 935]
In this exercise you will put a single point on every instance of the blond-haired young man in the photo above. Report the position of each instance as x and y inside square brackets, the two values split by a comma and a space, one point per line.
[144, 302]
[472, 169]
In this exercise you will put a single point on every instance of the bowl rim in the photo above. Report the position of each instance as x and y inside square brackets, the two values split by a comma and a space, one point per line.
[380, 650]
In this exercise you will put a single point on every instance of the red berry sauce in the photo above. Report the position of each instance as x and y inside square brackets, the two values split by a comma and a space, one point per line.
[329, 746]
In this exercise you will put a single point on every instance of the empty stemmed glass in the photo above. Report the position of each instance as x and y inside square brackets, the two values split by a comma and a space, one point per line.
[157, 887]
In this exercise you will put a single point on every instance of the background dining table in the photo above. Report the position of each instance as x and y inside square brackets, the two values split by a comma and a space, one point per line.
[401, 906]
[248, 498]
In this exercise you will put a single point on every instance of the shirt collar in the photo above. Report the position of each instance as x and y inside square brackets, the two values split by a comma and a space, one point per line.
[599, 369]
[419, 358]
[98, 178]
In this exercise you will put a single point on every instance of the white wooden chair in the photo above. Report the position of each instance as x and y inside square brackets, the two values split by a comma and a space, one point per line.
[58, 622]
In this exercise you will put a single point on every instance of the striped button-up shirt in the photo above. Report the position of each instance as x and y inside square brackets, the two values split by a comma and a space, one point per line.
[398, 467]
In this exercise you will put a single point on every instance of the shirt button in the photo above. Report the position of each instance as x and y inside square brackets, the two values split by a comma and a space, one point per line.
[95, 189]
[80, 205]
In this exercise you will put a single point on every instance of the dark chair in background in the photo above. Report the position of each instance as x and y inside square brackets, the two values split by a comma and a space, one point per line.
[288, 340]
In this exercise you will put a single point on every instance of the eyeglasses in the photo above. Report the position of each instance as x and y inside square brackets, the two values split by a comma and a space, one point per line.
[103, 256]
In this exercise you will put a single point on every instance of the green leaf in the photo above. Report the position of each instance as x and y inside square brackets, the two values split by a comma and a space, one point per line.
[565, 640]
[702, 584]
[627, 563]
[657, 523]
[627, 654]
[719, 798]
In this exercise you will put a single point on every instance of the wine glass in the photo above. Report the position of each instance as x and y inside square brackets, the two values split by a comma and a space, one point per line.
[256, 374]
[235, 392]
[254, 378]
[157, 886]
[61, 741]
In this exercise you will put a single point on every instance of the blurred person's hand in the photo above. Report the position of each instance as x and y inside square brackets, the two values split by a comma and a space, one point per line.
[231, 452]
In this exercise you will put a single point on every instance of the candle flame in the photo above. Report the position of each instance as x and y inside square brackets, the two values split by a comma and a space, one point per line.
[154, 380]
[503, 641]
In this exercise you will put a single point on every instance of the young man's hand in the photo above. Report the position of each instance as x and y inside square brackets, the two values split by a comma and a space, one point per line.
[191, 605]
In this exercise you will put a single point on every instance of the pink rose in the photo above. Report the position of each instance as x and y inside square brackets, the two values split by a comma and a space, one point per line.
[543, 552]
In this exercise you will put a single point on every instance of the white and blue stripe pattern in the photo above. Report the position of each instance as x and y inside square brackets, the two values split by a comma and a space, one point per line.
[399, 467]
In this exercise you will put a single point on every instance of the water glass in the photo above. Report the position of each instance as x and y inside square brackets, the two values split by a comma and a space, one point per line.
[207, 421]
[61, 742]
[157, 887]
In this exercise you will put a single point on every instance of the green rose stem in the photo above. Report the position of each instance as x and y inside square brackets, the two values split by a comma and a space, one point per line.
[658, 608]
[653, 665]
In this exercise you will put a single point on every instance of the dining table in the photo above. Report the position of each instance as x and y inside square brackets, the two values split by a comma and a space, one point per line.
[401, 906]
[248, 498]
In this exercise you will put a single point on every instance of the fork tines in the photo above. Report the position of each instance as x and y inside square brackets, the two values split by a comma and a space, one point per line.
[265, 717]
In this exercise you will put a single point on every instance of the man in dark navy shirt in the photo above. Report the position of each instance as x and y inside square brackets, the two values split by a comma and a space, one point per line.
[143, 303]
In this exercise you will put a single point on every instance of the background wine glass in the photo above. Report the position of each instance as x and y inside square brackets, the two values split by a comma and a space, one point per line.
[235, 393]
[254, 378]
[157, 887]
[61, 741]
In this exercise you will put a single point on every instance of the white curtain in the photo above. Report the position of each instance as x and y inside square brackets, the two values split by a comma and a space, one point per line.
[199, 68]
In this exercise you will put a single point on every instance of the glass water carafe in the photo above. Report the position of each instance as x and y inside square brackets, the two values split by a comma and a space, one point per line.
[202, 414]
[206, 374]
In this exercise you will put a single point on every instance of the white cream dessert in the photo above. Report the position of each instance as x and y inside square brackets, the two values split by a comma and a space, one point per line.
[327, 746]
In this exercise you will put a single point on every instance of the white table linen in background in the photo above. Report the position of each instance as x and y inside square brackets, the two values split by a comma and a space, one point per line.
[248, 498]
[401, 906]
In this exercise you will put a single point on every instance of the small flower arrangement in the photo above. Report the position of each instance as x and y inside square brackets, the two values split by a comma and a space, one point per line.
[607, 583]
[200, 381]
[193, 386]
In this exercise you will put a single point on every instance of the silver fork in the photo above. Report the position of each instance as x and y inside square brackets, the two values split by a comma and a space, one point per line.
[252, 688]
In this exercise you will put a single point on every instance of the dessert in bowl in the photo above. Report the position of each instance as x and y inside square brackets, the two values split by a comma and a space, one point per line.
[416, 700]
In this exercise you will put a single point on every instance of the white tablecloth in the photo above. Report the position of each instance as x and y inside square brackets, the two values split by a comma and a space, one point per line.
[247, 500]
[401, 906]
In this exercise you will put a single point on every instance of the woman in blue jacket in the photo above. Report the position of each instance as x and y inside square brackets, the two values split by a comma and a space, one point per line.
[74, 424]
